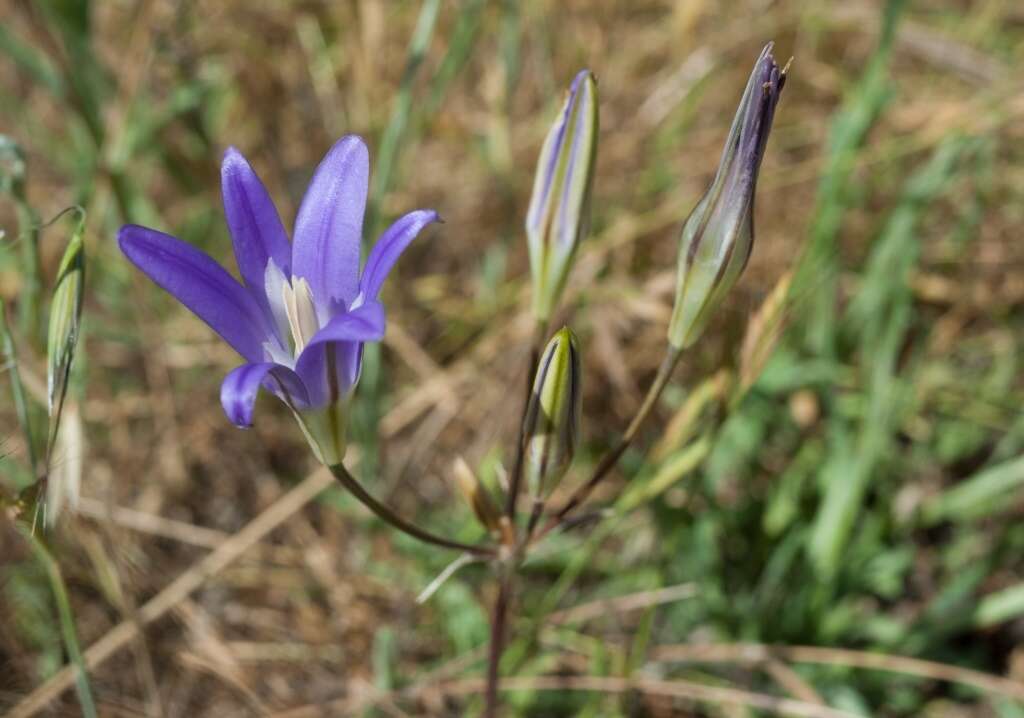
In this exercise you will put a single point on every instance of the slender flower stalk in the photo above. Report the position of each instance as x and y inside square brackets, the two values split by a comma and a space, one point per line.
[388, 516]
[719, 234]
[610, 459]
[559, 212]
[512, 496]
[499, 631]
[304, 309]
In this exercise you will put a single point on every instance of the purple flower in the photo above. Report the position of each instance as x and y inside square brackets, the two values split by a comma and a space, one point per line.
[303, 311]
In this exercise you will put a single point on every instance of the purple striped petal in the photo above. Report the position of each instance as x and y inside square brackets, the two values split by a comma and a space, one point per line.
[330, 363]
[329, 226]
[242, 385]
[202, 285]
[389, 247]
[255, 226]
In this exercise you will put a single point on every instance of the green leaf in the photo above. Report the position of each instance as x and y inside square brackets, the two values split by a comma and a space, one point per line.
[979, 495]
[1000, 606]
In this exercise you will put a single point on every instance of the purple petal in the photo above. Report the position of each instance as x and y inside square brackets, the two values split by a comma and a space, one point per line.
[330, 363]
[388, 248]
[201, 284]
[240, 388]
[550, 154]
[329, 226]
[256, 229]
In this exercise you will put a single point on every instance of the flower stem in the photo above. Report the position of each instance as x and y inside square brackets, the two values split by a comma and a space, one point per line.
[499, 629]
[499, 620]
[610, 459]
[517, 467]
[349, 482]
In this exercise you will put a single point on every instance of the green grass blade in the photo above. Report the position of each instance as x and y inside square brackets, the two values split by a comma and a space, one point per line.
[1000, 606]
[13, 171]
[879, 318]
[978, 496]
[67, 622]
[35, 63]
[817, 269]
[460, 50]
[394, 134]
[21, 407]
[367, 412]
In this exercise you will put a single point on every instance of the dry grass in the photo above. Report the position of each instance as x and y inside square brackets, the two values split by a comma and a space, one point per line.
[321, 607]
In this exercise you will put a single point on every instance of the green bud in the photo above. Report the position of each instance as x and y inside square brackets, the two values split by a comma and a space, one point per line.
[552, 424]
[65, 321]
[559, 210]
[719, 234]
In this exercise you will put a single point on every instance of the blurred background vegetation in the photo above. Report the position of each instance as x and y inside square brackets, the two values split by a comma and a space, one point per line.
[865, 493]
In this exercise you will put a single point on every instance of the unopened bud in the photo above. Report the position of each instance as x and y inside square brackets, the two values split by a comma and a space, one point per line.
[719, 233]
[552, 424]
[65, 319]
[477, 496]
[559, 212]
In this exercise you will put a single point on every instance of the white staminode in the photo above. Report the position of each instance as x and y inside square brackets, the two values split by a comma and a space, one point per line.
[294, 312]
[298, 305]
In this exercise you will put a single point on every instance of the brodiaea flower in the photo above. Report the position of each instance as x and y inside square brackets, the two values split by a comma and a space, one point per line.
[303, 311]
[719, 234]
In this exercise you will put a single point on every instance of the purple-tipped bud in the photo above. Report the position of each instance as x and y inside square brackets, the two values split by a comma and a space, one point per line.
[719, 233]
[560, 205]
[552, 425]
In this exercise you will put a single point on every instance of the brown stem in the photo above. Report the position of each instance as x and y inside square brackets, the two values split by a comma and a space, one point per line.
[499, 627]
[610, 459]
[349, 482]
[517, 467]
[538, 509]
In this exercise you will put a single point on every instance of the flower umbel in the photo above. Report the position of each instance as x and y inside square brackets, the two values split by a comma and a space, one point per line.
[304, 310]
[560, 205]
[718, 235]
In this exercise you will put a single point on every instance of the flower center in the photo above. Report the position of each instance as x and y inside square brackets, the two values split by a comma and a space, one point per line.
[301, 313]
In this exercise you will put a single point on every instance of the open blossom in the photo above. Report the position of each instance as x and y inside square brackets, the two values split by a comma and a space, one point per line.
[719, 233]
[303, 311]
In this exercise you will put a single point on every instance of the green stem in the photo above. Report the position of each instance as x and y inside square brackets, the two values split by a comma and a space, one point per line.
[67, 622]
[10, 358]
[28, 297]
[349, 482]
